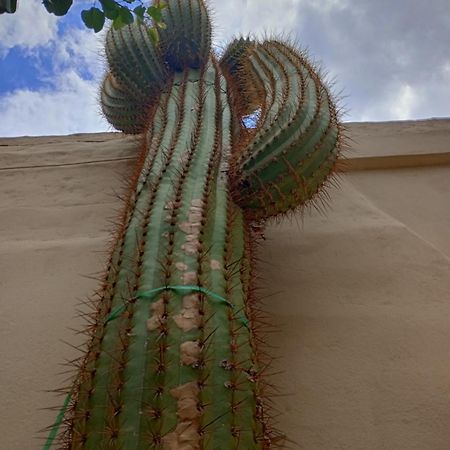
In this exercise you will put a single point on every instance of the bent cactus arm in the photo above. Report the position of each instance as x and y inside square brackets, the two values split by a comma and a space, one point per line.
[298, 138]
[178, 368]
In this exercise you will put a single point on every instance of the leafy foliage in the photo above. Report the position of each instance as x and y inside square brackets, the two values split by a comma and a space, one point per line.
[57, 7]
[93, 18]
[8, 6]
[120, 12]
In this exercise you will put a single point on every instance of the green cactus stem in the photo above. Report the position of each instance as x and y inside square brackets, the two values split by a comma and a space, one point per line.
[173, 361]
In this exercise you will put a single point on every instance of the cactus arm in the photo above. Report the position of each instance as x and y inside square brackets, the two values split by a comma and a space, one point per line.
[296, 142]
[280, 113]
[135, 61]
[248, 89]
[136, 79]
[123, 112]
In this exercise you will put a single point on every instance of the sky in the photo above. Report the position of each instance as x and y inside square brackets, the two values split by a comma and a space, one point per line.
[387, 60]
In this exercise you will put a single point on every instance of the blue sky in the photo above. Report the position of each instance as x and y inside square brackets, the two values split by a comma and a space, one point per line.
[390, 60]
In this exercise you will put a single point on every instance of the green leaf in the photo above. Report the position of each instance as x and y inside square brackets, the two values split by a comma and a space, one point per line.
[160, 5]
[117, 23]
[154, 35]
[162, 25]
[155, 13]
[93, 18]
[57, 7]
[110, 8]
[139, 11]
[8, 6]
[124, 18]
[126, 15]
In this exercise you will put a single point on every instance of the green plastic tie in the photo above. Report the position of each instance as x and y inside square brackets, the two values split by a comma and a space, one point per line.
[150, 294]
[58, 422]
[115, 314]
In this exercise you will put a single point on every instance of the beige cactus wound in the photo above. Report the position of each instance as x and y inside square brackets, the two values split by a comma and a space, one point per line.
[192, 227]
[189, 317]
[215, 265]
[158, 315]
[186, 435]
[190, 352]
[189, 278]
[181, 266]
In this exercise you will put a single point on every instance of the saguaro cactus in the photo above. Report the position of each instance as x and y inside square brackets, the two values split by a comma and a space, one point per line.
[173, 360]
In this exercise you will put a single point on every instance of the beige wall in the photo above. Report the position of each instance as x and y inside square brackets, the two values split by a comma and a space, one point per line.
[359, 294]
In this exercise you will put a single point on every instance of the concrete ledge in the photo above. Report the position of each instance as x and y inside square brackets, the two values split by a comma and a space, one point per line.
[393, 161]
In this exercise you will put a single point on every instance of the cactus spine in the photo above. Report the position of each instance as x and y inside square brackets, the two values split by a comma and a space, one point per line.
[178, 368]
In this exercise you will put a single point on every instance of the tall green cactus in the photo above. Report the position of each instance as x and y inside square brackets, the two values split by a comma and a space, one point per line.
[173, 361]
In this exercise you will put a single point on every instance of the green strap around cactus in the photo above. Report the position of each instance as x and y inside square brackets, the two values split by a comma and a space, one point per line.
[114, 315]
[59, 419]
[151, 294]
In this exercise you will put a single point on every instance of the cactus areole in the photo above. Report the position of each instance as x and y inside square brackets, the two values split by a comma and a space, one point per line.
[173, 361]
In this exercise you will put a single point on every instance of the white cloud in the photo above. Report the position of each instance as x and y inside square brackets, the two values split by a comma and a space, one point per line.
[402, 105]
[446, 70]
[329, 5]
[79, 48]
[71, 108]
[69, 104]
[389, 70]
[399, 103]
[254, 17]
[29, 27]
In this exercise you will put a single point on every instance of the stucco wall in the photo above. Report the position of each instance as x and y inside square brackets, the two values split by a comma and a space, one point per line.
[359, 294]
